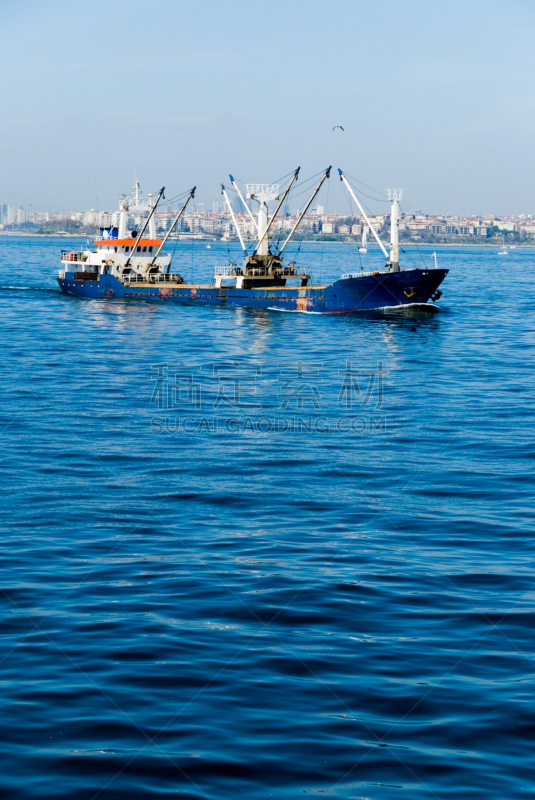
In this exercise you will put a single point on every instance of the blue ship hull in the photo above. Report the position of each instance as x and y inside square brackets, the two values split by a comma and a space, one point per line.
[344, 296]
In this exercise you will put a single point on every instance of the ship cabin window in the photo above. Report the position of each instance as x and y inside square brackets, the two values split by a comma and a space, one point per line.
[115, 249]
[139, 249]
[127, 249]
[144, 249]
[150, 249]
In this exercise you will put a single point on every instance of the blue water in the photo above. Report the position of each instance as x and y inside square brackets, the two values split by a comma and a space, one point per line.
[331, 594]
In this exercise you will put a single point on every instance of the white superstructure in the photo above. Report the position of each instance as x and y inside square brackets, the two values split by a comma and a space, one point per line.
[127, 254]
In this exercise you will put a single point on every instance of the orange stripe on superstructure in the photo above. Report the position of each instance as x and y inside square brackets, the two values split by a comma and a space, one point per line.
[129, 242]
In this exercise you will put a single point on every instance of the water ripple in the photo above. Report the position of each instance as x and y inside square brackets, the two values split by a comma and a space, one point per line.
[214, 607]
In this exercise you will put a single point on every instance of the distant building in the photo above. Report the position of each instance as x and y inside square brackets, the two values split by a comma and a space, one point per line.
[90, 217]
[377, 223]
[105, 219]
[208, 224]
[417, 226]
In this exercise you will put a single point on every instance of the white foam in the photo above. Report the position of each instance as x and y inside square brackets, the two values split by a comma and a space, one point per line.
[31, 288]
[401, 307]
[293, 311]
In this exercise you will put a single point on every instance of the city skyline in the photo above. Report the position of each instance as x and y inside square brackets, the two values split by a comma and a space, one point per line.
[220, 223]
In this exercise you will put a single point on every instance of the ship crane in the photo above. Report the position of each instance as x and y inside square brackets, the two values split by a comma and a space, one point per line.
[147, 222]
[394, 195]
[262, 267]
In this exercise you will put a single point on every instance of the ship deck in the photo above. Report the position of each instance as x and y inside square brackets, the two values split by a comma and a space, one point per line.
[158, 284]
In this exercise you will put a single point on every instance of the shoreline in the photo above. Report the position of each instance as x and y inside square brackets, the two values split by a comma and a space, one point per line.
[304, 241]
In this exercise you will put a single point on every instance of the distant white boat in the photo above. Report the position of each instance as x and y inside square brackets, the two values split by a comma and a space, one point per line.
[363, 248]
[503, 253]
[208, 246]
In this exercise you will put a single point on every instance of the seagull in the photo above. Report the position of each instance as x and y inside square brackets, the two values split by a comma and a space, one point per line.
[338, 126]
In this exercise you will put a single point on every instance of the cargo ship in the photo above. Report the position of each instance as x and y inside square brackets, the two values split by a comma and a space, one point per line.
[126, 265]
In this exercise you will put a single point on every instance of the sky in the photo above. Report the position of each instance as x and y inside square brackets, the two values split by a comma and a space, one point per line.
[435, 98]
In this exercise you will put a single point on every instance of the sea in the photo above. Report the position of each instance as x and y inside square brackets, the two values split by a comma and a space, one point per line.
[259, 554]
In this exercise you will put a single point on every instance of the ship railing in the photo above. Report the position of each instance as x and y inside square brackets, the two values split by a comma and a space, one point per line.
[68, 255]
[347, 275]
[299, 273]
[258, 272]
[159, 277]
[285, 272]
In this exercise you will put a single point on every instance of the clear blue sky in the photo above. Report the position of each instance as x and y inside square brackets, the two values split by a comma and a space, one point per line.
[434, 97]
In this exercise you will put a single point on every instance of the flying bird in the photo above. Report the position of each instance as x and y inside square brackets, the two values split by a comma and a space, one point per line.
[338, 126]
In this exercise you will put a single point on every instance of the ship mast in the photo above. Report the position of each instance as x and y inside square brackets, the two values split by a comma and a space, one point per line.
[123, 218]
[295, 177]
[395, 196]
[263, 193]
[153, 209]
